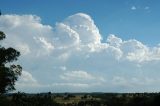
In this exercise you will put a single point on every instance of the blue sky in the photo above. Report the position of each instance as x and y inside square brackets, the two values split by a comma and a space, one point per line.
[111, 16]
[84, 45]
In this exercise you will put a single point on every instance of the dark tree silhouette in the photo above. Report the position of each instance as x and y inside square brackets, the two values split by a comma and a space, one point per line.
[8, 73]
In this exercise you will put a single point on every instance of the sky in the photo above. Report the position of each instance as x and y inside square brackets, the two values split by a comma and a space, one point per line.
[84, 45]
[126, 18]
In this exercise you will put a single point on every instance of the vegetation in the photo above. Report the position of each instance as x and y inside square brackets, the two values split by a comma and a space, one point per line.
[81, 99]
[8, 73]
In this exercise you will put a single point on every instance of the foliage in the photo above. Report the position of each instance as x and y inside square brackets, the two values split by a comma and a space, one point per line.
[8, 73]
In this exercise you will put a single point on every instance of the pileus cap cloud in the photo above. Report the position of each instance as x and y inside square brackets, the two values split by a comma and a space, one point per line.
[85, 27]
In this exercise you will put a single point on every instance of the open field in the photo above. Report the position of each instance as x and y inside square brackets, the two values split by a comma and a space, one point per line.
[81, 99]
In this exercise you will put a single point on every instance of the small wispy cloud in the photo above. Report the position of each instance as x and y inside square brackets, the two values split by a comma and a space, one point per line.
[133, 8]
[146, 8]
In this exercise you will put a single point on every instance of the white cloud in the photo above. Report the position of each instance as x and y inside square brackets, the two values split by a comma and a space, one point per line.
[77, 85]
[114, 41]
[76, 75]
[85, 27]
[133, 8]
[119, 81]
[22, 31]
[135, 50]
[45, 44]
[24, 48]
[26, 80]
[146, 8]
[135, 84]
[27, 77]
[63, 68]
[65, 36]
[52, 53]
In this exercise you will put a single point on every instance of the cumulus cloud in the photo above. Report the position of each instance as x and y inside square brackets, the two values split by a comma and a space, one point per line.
[24, 48]
[77, 85]
[65, 36]
[71, 54]
[26, 80]
[76, 75]
[24, 31]
[80, 76]
[85, 27]
[114, 41]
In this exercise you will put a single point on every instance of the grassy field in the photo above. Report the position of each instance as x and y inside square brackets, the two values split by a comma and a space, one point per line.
[74, 99]
[81, 99]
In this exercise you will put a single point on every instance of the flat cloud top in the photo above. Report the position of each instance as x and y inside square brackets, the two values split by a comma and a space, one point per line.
[71, 57]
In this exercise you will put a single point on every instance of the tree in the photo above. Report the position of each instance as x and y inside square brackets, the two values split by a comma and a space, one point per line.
[8, 73]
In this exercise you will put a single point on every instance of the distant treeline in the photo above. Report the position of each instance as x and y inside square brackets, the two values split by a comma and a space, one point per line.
[80, 99]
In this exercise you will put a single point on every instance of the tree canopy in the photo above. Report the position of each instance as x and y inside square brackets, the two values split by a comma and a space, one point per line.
[8, 73]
